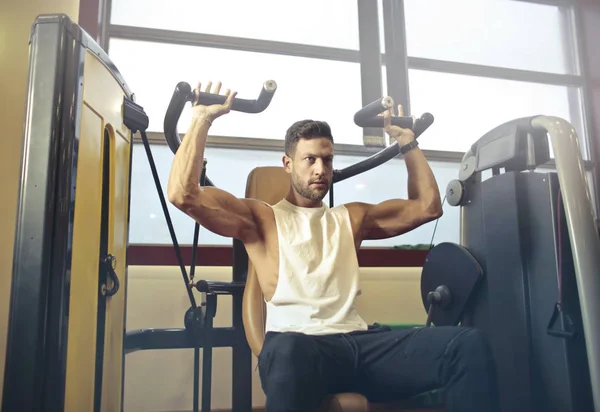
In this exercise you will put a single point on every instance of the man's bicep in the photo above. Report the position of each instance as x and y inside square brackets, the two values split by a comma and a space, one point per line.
[224, 214]
[392, 218]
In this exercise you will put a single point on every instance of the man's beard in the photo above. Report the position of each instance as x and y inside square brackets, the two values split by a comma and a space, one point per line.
[305, 190]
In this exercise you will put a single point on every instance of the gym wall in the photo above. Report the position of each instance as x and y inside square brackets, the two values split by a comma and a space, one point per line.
[16, 17]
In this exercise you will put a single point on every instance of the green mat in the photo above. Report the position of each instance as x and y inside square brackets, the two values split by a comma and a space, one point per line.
[401, 326]
[418, 246]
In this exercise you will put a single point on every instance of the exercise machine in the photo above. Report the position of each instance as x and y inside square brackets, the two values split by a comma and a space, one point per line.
[198, 319]
[532, 285]
[69, 280]
[534, 234]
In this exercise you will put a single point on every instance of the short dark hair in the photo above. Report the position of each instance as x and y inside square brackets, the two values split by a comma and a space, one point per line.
[306, 129]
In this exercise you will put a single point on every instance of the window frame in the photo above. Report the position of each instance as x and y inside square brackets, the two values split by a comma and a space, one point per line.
[246, 143]
[369, 57]
[221, 255]
[371, 61]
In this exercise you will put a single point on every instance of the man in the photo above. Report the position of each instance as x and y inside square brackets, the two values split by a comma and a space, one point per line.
[305, 256]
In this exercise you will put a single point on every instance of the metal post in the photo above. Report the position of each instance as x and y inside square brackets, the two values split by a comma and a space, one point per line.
[396, 60]
[585, 242]
[370, 64]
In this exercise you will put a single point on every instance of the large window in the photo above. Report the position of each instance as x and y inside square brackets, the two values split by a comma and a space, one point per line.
[308, 88]
[473, 64]
[331, 23]
[148, 225]
[466, 107]
[501, 33]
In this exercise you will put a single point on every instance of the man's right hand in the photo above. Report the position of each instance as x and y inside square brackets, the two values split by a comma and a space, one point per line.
[215, 209]
[213, 111]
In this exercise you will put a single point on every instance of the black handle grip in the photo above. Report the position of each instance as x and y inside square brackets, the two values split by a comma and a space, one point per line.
[371, 110]
[243, 105]
[420, 125]
[368, 115]
[183, 94]
[566, 329]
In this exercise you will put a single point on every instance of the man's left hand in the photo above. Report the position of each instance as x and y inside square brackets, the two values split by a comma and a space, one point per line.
[402, 136]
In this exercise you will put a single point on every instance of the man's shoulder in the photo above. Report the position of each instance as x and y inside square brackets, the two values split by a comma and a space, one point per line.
[263, 216]
[356, 213]
[252, 202]
[257, 206]
[356, 207]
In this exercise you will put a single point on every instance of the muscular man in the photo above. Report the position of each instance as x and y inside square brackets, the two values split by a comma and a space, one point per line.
[305, 256]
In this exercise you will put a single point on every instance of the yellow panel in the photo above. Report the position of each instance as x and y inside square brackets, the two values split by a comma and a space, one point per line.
[117, 245]
[101, 110]
[83, 300]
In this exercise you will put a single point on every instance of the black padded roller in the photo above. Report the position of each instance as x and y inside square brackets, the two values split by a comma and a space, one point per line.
[420, 125]
[183, 94]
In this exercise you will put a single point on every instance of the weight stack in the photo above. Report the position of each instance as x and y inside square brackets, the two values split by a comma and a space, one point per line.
[513, 224]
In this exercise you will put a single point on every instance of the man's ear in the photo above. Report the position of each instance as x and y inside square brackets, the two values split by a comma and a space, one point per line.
[287, 163]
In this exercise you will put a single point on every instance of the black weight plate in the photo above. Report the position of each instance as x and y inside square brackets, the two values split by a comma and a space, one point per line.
[451, 265]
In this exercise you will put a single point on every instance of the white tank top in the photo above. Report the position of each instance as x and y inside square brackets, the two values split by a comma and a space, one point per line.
[318, 272]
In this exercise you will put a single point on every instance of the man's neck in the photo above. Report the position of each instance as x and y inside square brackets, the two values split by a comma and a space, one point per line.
[300, 201]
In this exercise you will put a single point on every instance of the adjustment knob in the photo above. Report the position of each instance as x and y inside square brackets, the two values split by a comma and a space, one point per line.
[455, 192]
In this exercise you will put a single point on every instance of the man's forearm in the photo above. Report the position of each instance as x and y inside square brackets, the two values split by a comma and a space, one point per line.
[188, 162]
[421, 181]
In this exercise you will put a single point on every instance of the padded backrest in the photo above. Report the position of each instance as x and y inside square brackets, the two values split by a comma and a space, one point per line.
[269, 184]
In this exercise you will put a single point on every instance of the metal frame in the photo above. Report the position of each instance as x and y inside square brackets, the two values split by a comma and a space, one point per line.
[503, 73]
[550, 2]
[370, 65]
[232, 43]
[583, 235]
[105, 10]
[29, 360]
[271, 145]
[36, 355]
[397, 62]
[586, 105]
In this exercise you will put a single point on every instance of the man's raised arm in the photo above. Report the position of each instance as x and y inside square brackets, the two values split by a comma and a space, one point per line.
[215, 209]
[394, 217]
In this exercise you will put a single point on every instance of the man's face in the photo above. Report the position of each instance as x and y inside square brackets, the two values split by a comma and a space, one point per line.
[311, 167]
